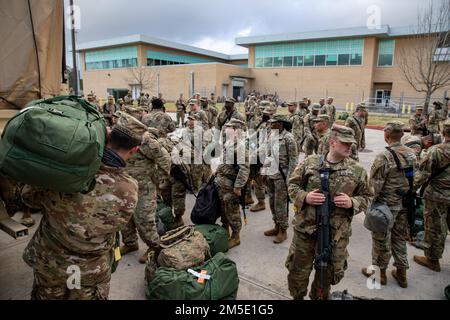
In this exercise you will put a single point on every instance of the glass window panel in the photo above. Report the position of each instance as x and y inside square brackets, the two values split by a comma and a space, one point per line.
[343, 59]
[385, 60]
[331, 60]
[298, 61]
[355, 59]
[287, 62]
[278, 62]
[258, 62]
[268, 62]
[308, 61]
[319, 60]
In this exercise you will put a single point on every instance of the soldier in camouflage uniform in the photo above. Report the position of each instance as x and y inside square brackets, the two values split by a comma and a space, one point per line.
[180, 104]
[436, 180]
[297, 124]
[310, 142]
[351, 195]
[212, 100]
[420, 143]
[434, 118]
[78, 231]
[108, 109]
[231, 177]
[142, 166]
[229, 112]
[196, 110]
[322, 127]
[418, 122]
[91, 100]
[128, 99]
[303, 107]
[280, 162]
[390, 185]
[156, 118]
[357, 123]
[210, 111]
[330, 110]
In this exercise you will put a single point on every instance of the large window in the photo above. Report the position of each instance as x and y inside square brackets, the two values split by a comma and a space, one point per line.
[386, 52]
[310, 54]
[158, 58]
[111, 58]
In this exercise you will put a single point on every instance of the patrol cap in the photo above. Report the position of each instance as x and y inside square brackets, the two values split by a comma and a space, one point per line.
[322, 118]
[419, 107]
[197, 94]
[361, 107]
[343, 134]
[130, 126]
[230, 99]
[205, 99]
[279, 118]
[235, 123]
[264, 103]
[316, 107]
[270, 109]
[192, 101]
[332, 98]
[290, 104]
[394, 126]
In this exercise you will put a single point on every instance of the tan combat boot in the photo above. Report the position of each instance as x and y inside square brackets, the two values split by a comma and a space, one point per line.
[127, 249]
[383, 277]
[248, 199]
[143, 258]
[281, 236]
[430, 264]
[400, 276]
[234, 241]
[272, 232]
[179, 221]
[259, 206]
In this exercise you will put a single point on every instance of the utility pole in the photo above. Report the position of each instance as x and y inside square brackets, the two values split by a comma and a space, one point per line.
[74, 51]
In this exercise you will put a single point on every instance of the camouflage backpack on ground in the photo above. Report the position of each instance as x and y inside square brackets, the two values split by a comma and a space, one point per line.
[183, 248]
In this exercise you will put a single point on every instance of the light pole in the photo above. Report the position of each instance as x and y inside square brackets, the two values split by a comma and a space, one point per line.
[74, 50]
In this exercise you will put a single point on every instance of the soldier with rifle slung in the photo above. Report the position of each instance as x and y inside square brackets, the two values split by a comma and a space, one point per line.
[349, 193]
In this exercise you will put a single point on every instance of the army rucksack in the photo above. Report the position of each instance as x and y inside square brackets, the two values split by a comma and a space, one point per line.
[55, 143]
[183, 248]
[215, 235]
[164, 217]
[379, 218]
[207, 207]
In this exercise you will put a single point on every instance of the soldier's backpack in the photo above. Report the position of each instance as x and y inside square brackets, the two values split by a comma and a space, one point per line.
[183, 248]
[379, 218]
[215, 235]
[216, 279]
[164, 217]
[55, 143]
[207, 208]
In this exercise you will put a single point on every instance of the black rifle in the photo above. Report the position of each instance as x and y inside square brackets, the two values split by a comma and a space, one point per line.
[236, 168]
[425, 131]
[324, 243]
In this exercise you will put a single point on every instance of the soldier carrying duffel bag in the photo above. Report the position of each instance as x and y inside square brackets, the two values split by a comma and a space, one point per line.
[54, 143]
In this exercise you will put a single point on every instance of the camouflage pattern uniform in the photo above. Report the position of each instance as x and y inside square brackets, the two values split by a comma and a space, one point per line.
[437, 198]
[128, 99]
[229, 176]
[433, 121]
[357, 124]
[211, 115]
[387, 182]
[349, 178]
[142, 166]
[79, 230]
[108, 110]
[223, 117]
[159, 120]
[417, 123]
[324, 145]
[311, 140]
[284, 159]
[329, 110]
[297, 128]
[414, 142]
[180, 104]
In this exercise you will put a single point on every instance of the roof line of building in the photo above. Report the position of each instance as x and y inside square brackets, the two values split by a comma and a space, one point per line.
[139, 38]
[382, 31]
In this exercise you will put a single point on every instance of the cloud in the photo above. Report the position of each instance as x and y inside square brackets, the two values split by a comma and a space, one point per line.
[222, 46]
[245, 32]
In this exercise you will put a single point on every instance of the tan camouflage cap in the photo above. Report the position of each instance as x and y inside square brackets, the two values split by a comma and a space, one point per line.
[193, 101]
[292, 103]
[205, 99]
[322, 118]
[230, 99]
[270, 109]
[361, 106]
[316, 107]
[235, 123]
[394, 126]
[343, 134]
[130, 126]
[279, 118]
[264, 103]
[419, 107]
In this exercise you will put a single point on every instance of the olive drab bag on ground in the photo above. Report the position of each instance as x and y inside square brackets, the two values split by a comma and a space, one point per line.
[54, 143]
[215, 235]
[216, 279]
[164, 217]
[183, 248]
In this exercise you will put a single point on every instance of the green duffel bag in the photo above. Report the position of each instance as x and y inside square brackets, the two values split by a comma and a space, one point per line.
[54, 143]
[215, 235]
[216, 279]
[164, 213]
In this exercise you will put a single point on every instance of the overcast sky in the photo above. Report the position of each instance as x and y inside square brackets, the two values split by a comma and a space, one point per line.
[214, 24]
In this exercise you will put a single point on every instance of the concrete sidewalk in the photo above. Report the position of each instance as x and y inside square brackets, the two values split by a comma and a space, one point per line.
[260, 262]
